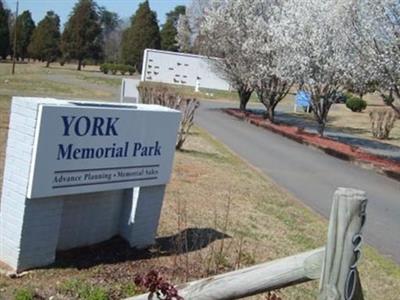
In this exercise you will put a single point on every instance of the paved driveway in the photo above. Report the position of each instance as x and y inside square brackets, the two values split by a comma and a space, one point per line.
[309, 174]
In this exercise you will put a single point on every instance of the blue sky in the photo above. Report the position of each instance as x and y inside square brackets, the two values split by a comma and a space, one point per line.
[124, 8]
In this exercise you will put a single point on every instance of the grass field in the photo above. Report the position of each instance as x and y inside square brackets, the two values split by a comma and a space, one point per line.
[344, 120]
[224, 212]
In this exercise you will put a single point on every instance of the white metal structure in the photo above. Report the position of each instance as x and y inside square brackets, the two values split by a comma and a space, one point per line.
[182, 69]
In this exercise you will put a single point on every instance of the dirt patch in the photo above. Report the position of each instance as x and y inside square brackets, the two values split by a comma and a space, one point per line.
[332, 147]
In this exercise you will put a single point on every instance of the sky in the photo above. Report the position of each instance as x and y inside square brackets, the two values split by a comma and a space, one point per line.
[124, 8]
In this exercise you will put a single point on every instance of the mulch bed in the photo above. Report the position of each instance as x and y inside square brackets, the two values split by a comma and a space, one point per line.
[340, 150]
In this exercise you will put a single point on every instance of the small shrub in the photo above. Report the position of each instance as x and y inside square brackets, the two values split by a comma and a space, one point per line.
[164, 96]
[105, 68]
[157, 286]
[131, 70]
[123, 69]
[113, 69]
[382, 122]
[23, 294]
[356, 104]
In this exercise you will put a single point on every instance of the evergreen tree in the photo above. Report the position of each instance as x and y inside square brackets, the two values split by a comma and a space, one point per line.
[4, 32]
[169, 31]
[143, 33]
[24, 26]
[46, 38]
[82, 36]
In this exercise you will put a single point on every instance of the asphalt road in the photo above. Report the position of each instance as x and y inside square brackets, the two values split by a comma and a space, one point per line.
[309, 174]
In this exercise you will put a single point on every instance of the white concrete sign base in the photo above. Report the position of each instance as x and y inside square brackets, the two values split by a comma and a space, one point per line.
[37, 217]
[129, 90]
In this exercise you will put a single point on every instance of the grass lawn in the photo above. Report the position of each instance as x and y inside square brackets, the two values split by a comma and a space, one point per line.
[231, 215]
[344, 120]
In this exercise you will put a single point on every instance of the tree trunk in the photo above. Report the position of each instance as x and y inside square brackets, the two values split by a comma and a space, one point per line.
[79, 64]
[396, 110]
[244, 96]
[242, 105]
[321, 128]
[48, 64]
[271, 113]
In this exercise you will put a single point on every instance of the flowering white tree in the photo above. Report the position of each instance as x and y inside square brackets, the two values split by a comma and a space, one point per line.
[223, 34]
[374, 32]
[241, 32]
[311, 41]
[270, 76]
[184, 35]
[196, 12]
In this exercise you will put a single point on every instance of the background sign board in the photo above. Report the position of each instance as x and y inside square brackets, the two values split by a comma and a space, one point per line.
[182, 69]
[85, 148]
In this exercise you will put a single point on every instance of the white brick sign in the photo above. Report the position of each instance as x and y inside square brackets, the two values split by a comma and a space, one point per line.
[88, 149]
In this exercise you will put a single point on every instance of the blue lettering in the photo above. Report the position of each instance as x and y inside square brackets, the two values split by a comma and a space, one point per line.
[84, 125]
[64, 153]
[157, 151]
[67, 124]
[110, 126]
[76, 153]
[139, 149]
[136, 148]
[78, 126]
[98, 126]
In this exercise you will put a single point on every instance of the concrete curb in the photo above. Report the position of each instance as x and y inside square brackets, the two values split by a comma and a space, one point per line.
[331, 147]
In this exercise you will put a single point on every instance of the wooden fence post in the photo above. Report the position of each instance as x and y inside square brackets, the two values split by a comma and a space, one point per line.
[339, 278]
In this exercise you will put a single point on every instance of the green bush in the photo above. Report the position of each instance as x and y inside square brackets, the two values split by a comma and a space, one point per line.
[105, 68]
[115, 68]
[355, 104]
[131, 70]
[123, 69]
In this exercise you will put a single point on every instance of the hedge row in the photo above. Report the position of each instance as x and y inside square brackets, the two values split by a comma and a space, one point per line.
[115, 68]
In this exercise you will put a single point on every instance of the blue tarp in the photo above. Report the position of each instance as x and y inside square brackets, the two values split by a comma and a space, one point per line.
[303, 99]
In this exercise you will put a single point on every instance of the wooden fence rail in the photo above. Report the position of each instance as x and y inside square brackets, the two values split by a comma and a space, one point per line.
[335, 265]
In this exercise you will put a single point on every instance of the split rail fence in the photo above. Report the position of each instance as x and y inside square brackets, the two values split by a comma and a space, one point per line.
[335, 265]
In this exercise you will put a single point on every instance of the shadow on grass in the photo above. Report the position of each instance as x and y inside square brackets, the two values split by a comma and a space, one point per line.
[118, 250]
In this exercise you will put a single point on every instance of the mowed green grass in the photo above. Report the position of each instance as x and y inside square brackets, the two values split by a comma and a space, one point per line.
[211, 188]
[36, 80]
